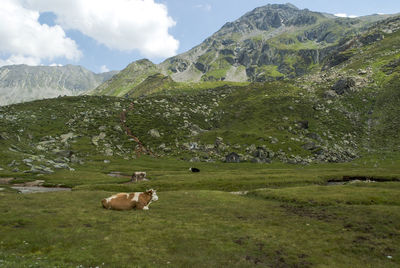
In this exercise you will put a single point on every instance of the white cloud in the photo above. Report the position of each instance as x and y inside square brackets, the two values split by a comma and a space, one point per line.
[25, 41]
[104, 69]
[19, 59]
[56, 65]
[344, 15]
[125, 25]
[205, 7]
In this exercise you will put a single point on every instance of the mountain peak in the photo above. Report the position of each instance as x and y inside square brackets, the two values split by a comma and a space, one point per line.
[271, 16]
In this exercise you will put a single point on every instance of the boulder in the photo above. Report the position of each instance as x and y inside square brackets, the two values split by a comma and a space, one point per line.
[309, 146]
[154, 133]
[65, 137]
[40, 170]
[314, 136]
[302, 124]
[344, 85]
[232, 158]
[330, 94]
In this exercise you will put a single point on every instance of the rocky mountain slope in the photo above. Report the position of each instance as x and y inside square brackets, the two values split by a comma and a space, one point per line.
[270, 43]
[348, 109]
[19, 83]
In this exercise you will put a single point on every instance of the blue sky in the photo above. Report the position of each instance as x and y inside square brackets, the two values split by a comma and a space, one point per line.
[106, 35]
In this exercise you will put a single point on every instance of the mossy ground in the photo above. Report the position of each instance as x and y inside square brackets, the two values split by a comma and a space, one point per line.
[295, 221]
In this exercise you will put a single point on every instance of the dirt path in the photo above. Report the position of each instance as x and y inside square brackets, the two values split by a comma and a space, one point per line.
[141, 149]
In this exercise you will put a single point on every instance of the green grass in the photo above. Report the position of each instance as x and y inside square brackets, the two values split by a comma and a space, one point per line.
[295, 222]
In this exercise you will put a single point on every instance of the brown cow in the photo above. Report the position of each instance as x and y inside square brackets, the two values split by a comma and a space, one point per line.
[126, 201]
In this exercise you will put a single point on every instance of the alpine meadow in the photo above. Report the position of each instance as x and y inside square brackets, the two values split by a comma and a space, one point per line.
[288, 118]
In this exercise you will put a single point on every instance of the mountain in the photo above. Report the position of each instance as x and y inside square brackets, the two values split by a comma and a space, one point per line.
[19, 83]
[270, 43]
[346, 107]
[127, 79]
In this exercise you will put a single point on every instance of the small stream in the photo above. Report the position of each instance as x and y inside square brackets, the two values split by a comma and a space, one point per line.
[359, 179]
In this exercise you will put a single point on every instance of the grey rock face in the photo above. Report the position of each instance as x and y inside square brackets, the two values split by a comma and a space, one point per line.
[19, 83]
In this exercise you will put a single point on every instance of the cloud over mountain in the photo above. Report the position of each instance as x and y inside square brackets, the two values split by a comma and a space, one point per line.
[24, 40]
[124, 25]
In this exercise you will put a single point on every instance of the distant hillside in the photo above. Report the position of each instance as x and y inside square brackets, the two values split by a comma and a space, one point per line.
[272, 42]
[127, 79]
[19, 83]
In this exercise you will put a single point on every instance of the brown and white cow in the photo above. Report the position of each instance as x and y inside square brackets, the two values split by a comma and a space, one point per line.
[126, 201]
[138, 176]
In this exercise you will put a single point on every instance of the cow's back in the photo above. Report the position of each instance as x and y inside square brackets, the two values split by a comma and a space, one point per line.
[121, 201]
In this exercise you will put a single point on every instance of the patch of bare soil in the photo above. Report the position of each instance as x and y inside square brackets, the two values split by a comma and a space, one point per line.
[6, 180]
[315, 213]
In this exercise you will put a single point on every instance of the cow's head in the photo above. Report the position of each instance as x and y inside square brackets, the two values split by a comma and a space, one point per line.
[153, 194]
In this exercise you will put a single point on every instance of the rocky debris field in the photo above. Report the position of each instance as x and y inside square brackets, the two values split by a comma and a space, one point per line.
[43, 136]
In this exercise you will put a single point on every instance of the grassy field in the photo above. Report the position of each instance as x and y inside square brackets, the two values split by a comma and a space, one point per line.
[290, 217]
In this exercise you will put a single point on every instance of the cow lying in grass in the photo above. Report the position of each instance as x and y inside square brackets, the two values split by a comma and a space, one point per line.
[126, 201]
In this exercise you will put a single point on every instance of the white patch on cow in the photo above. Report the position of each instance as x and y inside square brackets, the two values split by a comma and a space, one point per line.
[154, 196]
[135, 196]
[146, 208]
[110, 198]
[127, 196]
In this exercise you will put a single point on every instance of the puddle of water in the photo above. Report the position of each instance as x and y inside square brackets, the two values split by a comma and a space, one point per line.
[358, 179]
[37, 189]
[331, 183]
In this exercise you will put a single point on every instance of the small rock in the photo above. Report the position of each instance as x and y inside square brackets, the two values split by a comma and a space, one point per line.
[74, 159]
[232, 158]
[106, 161]
[118, 128]
[60, 166]
[309, 146]
[40, 170]
[154, 133]
[195, 159]
[66, 137]
[13, 163]
[108, 152]
[193, 146]
[330, 94]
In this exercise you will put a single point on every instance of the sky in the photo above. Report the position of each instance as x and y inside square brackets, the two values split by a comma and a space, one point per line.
[104, 35]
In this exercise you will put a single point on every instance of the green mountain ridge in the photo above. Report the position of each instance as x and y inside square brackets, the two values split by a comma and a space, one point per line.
[270, 43]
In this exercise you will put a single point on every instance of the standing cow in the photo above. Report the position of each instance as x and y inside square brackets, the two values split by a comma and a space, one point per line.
[126, 201]
[138, 176]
